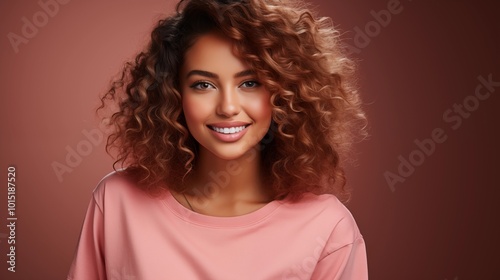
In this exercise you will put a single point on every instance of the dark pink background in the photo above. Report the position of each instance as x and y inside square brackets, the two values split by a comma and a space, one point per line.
[440, 223]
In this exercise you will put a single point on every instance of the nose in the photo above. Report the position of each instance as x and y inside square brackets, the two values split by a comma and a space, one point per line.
[229, 104]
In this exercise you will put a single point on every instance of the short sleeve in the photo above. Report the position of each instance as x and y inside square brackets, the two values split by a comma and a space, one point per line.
[344, 254]
[88, 262]
[346, 263]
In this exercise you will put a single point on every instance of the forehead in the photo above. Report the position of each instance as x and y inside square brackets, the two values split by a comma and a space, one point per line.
[212, 52]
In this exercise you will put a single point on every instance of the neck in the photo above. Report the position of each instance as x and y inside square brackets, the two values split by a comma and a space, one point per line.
[227, 184]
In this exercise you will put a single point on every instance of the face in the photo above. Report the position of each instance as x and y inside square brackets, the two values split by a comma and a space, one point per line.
[227, 110]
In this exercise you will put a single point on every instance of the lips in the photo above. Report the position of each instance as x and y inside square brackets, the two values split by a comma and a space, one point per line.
[228, 127]
[228, 131]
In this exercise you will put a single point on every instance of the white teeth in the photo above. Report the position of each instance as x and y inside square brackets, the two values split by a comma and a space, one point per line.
[228, 130]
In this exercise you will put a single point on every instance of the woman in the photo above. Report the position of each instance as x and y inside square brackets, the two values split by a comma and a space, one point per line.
[232, 126]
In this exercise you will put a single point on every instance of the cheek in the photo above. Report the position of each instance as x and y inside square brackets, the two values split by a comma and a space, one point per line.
[261, 108]
[194, 110]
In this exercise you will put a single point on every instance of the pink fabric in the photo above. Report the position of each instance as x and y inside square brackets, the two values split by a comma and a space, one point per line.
[130, 235]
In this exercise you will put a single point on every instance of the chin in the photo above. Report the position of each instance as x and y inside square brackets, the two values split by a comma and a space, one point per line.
[230, 153]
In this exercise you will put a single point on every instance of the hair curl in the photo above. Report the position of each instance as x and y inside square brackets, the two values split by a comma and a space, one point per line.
[299, 58]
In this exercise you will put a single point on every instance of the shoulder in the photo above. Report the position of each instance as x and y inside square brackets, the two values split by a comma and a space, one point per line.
[112, 182]
[116, 186]
[333, 215]
[327, 205]
[344, 217]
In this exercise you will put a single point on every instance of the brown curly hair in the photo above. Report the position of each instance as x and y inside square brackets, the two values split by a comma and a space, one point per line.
[299, 58]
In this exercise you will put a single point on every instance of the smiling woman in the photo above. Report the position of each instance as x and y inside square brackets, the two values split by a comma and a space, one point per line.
[232, 127]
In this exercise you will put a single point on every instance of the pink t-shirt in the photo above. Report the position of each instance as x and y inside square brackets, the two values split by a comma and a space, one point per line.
[128, 234]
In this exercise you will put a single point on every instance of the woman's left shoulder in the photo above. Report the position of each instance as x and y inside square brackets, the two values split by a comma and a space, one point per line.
[328, 210]
[330, 203]
[327, 203]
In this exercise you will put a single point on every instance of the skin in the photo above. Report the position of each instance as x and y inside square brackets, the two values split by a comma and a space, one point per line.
[218, 87]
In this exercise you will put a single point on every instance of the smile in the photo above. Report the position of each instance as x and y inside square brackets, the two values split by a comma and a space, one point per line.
[228, 130]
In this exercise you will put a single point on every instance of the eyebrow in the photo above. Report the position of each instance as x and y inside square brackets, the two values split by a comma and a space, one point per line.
[207, 74]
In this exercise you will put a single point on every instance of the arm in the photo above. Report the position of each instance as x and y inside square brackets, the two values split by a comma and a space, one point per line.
[88, 262]
[346, 263]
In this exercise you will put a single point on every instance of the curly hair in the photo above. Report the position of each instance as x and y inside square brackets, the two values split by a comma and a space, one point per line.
[298, 56]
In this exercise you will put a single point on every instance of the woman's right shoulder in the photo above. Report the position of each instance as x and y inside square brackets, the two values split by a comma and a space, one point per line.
[115, 185]
[114, 178]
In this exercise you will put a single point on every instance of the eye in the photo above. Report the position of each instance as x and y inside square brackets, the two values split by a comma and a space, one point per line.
[201, 85]
[250, 84]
